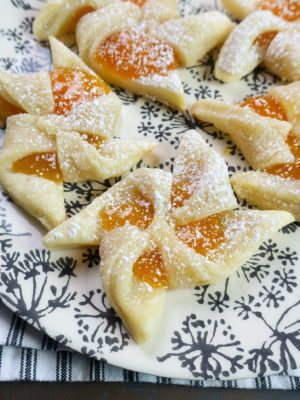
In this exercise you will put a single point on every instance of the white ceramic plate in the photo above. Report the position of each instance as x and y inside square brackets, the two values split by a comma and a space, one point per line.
[247, 326]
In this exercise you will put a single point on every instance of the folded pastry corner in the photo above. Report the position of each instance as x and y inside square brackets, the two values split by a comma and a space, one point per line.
[138, 304]
[193, 36]
[240, 8]
[99, 160]
[201, 184]
[97, 117]
[242, 51]
[19, 93]
[261, 139]
[159, 10]
[63, 57]
[59, 18]
[282, 57]
[268, 192]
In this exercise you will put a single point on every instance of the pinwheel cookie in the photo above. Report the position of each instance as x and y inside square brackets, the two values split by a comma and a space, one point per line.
[143, 58]
[39, 153]
[147, 247]
[266, 129]
[70, 83]
[270, 35]
[59, 18]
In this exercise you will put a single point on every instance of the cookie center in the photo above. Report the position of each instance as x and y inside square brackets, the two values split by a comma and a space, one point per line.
[132, 54]
[204, 235]
[269, 106]
[286, 9]
[184, 184]
[150, 268]
[94, 140]
[134, 209]
[73, 86]
[44, 165]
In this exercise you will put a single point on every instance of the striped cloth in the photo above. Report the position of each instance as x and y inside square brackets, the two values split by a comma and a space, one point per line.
[28, 355]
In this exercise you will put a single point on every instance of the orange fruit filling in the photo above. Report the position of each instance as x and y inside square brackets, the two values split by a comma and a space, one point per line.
[73, 86]
[94, 140]
[265, 39]
[7, 109]
[289, 170]
[286, 9]
[266, 106]
[133, 54]
[77, 15]
[269, 106]
[181, 191]
[135, 210]
[204, 235]
[44, 165]
[139, 3]
[149, 268]
[184, 186]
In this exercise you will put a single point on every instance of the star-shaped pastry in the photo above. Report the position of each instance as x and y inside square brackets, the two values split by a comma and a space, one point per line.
[39, 153]
[160, 231]
[267, 130]
[269, 34]
[71, 141]
[59, 18]
[70, 83]
[144, 58]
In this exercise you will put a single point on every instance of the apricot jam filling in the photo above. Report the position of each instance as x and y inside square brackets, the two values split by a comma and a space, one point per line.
[7, 109]
[139, 3]
[266, 106]
[44, 165]
[150, 268]
[286, 9]
[94, 140]
[266, 38]
[181, 191]
[269, 106]
[289, 170]
[135, 209]
[184, 187]
[73, 86]
[132, 54]
[204, 235]
[76, 17]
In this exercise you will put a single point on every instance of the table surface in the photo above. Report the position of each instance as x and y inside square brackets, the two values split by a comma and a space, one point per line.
[115, 391]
